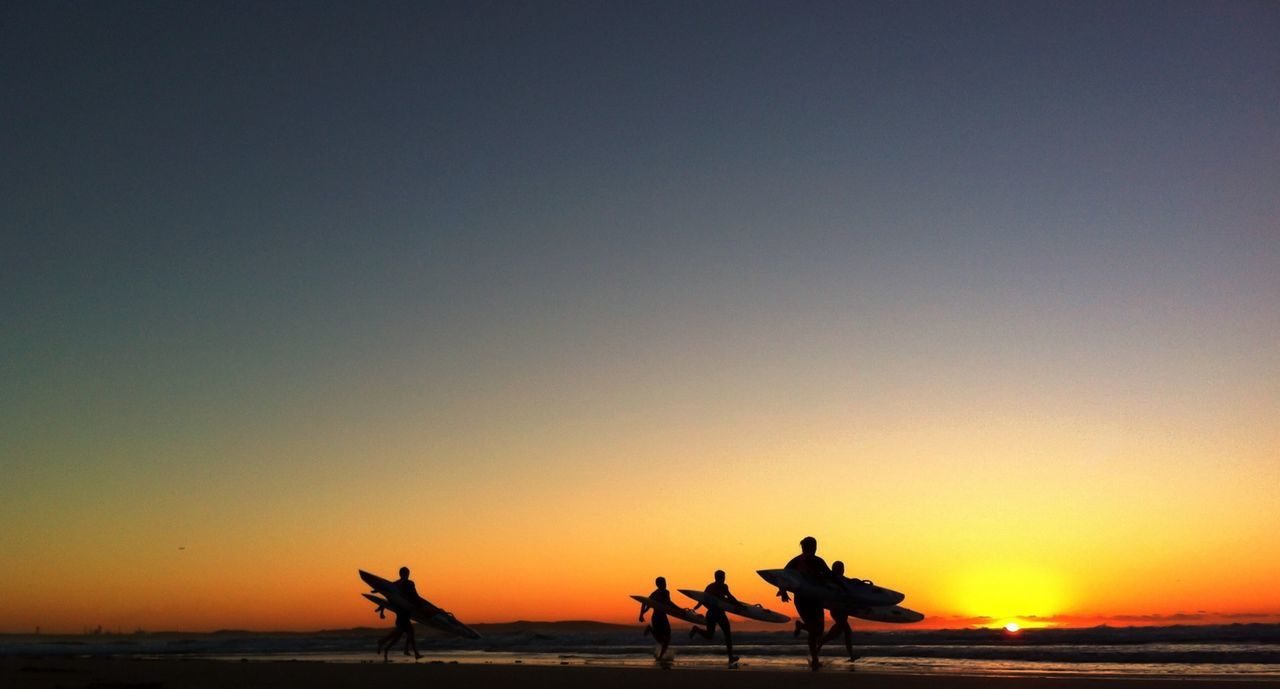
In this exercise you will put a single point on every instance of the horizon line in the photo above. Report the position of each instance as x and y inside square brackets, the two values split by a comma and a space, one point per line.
[749, 628]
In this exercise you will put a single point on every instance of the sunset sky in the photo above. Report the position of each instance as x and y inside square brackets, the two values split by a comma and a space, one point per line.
[544, 300]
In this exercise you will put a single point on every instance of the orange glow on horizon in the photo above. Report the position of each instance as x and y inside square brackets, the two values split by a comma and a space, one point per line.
[548, 540]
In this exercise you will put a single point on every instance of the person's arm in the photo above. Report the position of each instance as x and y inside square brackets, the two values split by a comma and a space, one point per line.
[729, 596]
[644, 607]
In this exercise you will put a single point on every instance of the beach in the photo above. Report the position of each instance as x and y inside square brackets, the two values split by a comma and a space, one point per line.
[120, 673]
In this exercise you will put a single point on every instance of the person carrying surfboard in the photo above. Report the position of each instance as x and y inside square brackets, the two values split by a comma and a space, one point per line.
[840, 618]
[716, 616]
[809, 609]
[404, 623]
[659, 626]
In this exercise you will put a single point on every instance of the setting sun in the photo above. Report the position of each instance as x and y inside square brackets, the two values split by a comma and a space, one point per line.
[1012, 628]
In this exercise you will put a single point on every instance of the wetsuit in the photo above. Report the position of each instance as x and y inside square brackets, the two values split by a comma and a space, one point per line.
[404, 621]
[658, 621]
[810, 609]
[716, 616]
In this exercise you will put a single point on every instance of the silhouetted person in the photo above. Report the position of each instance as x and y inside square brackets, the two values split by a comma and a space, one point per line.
[404, 620]
[659, 626]
[809, 609]
[716, 616]
[840, 618]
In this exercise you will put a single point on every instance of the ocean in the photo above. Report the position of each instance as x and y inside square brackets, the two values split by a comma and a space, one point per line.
[1242, 651]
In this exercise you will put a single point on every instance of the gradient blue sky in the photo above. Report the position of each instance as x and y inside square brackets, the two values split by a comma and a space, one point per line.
[253, 251]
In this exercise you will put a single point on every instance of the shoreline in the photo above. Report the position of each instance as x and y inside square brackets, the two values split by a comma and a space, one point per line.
[44, 672]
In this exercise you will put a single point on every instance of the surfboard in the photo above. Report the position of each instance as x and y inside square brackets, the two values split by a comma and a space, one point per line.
[425, 613]
[671, 610]
[752, 612]
[852, 597]
[895, 614]
[852, 593]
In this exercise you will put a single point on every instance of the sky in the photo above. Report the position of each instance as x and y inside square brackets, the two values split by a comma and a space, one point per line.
[544, 300]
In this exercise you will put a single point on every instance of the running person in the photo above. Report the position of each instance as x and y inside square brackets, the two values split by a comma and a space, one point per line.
[716, 616]
[659, 626]
[840, 619]
[809, 609]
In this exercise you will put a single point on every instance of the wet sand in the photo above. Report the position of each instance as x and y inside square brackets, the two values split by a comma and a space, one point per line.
[18, 672]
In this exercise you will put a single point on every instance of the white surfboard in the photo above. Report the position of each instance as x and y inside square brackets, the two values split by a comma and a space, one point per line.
[752, 612]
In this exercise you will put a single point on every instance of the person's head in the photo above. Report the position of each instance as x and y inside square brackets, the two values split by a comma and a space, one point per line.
[404, 572]
[837, 567]
[661, 582]
[719, 576]
[809, 545]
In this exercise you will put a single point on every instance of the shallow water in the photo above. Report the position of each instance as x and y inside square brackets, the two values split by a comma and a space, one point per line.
[920, 654]
[902, 664]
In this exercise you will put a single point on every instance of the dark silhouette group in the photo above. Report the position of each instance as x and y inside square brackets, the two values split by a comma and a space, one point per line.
[809, 609]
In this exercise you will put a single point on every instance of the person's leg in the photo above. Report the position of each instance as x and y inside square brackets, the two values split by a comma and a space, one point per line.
[728, 639]
[413, 644]
[813, 623]
[403, 626]
[803, 609]
[704, 633]
[391, 641]
[838, 625]
[848, 641]
[662, 634]
[665, 640]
